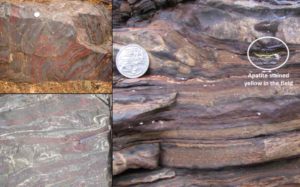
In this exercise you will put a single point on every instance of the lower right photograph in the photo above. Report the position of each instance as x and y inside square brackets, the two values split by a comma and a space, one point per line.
[206, 93]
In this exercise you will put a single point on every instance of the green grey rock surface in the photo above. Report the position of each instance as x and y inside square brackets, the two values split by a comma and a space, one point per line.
[54, 140]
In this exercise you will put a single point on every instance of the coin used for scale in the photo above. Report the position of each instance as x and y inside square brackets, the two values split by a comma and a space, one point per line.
[132, 61]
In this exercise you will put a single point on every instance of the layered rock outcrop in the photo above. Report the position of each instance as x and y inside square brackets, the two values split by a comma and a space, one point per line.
[55, 140]
[55, 41]
[210, 129]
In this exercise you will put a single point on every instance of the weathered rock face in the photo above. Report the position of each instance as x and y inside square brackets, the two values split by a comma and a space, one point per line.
[209, 39]
[193, 102]
[58, 41]
[55, 140]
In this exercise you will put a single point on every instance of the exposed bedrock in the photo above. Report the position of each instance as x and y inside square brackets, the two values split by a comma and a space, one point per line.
[210, 40]
[210, 128]
[57, 41]
[279, 174]
[55, 140]
[140, 156]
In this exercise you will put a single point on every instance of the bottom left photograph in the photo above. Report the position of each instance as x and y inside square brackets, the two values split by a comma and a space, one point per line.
[55, 140]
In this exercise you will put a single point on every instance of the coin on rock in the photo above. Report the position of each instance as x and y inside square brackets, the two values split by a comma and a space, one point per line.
[132, 61]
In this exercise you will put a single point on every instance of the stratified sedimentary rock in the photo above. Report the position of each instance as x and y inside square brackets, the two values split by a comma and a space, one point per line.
[279, 174]
[55, 140]
[193, 101]
[140, 156]
[55, 41]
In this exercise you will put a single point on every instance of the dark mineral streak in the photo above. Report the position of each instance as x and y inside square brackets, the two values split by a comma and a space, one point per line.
[55, 140]
[211, 130]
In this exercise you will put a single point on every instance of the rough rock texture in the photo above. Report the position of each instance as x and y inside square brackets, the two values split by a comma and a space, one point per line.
[57, 41]
[139, 156]
[55, 87]
[55, 140]
[211, 129]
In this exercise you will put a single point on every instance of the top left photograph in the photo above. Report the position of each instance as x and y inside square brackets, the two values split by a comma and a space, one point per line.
[55, 46]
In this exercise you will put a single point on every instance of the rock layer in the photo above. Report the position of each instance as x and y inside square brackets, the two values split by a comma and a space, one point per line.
[58, 41]
[55, 140]
[193, 101]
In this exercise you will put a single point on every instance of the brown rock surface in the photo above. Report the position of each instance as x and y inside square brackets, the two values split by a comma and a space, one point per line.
[56, 87]
[193, 101]
[139, 156]
[55, 140]
[59, 41]
[279, 174]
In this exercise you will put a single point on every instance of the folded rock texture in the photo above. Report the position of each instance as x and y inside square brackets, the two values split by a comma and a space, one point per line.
[211, 129]
[55, 140]
[54, 41]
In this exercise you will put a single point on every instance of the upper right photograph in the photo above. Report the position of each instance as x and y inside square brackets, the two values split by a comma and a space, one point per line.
[206, 93]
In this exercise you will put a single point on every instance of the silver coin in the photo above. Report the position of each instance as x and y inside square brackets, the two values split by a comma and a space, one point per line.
[132, 61]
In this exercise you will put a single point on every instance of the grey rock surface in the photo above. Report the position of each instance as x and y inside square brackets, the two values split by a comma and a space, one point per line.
[54, 140]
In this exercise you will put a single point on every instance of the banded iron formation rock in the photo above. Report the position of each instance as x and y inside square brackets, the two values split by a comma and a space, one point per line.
[55, 46]
[190, 121]
[55, 140]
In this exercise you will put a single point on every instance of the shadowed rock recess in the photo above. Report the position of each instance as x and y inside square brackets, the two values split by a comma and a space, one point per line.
[190, 121]
[55, 46]
[55, 140]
